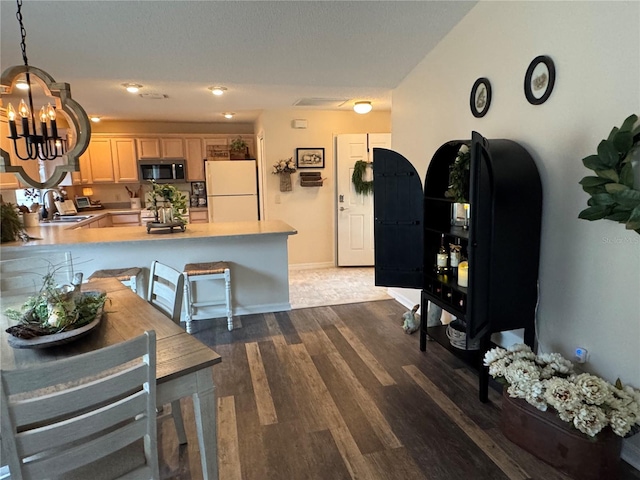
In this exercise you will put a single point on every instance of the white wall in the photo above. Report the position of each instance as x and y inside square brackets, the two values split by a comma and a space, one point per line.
[310, 210]
[589, 271]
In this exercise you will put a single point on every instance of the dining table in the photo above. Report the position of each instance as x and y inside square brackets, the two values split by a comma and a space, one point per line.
[184, 364]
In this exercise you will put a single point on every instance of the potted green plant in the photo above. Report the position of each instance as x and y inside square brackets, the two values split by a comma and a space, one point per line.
[10, 224]
[459, 173]
[238, 149]
[167, 203]
[613, 196]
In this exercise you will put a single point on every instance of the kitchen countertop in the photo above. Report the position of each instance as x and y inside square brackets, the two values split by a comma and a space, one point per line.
[44, 236]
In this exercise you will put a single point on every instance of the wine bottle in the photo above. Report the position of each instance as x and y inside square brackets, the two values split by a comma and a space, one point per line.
[454, 257]
[442, 258]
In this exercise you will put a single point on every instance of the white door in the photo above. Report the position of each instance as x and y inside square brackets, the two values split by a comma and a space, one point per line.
[355, 212]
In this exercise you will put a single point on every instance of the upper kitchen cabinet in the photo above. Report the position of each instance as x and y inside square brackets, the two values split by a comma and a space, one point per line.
[160, 148]
[110, 160]
[194, 150]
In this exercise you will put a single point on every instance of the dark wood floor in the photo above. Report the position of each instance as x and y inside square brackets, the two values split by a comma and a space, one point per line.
[340, 393]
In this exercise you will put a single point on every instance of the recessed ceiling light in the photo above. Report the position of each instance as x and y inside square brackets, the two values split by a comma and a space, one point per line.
[218, 90]
[362, 107]
[132, 87]
[94, 118]
[22, 84]
[228, 114]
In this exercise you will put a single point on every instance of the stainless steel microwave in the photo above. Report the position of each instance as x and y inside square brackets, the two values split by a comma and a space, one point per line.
[163, 171]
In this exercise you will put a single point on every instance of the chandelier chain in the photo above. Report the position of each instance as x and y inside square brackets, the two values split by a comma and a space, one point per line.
[23, 34]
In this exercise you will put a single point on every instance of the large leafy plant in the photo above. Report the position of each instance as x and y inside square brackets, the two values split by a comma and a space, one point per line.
[612, 191]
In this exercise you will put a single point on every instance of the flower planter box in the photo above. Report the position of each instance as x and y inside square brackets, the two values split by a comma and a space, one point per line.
[546, 436]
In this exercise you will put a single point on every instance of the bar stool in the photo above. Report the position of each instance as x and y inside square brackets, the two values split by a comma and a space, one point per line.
[195, 272]
[128, 276]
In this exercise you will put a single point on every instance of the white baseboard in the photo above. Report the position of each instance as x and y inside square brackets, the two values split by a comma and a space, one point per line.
[311, 266]
[401, 298]
[631, 451]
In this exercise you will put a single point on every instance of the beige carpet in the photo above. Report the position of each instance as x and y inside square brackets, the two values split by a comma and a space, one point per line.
[333, 286]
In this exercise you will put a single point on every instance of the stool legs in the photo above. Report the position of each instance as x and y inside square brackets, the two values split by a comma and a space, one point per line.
[227, 289]
[190, 309]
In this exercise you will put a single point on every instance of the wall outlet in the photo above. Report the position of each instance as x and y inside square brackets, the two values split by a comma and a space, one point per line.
[581, 355]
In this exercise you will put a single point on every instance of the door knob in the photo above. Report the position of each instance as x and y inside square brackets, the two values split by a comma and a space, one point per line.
[342, 209]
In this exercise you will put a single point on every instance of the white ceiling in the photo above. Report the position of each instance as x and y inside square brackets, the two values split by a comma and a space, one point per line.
[269, 54]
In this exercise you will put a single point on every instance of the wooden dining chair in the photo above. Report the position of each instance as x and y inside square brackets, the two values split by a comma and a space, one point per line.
[26, 275]
[165, 291]
[83, 417]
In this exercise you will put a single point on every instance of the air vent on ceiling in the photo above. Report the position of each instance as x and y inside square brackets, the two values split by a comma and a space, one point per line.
[153, 96]
[321, 102]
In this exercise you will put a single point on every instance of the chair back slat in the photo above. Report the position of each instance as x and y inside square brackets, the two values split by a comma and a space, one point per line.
[166, 289]
[108, 411]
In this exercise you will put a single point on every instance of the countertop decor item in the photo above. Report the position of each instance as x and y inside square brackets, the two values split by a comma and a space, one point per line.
[550, 383]
[10, 225]
[167, 201]
[238, 149]
[480, 98]
[539, 80]
[362, 177]
[613, 196]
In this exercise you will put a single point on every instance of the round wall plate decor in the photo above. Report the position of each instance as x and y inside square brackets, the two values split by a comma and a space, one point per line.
[480, 98]
[539, 80]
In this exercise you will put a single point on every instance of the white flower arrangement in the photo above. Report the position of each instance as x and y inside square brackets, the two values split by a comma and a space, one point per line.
[548, 380]
[284, 166]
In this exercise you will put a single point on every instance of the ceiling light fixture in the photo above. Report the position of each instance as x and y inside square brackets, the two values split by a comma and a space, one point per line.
[47, 145]
[132, 87]
[362, 107]
[228, 114]
[217, 91]
[95, 118]
[22, 84]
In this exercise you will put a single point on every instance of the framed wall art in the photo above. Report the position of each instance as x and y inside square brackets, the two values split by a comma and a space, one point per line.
[310, 157]
[480, 98]
[539, 80]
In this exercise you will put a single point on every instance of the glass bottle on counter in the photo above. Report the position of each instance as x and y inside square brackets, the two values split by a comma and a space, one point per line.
[442, 258]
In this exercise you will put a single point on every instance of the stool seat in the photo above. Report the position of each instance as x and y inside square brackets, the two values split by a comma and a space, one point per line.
[210, 268]
[128, 275]
[202, 272]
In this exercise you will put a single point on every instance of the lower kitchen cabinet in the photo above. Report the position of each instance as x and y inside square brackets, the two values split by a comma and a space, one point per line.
[125, 219]
[198, 215]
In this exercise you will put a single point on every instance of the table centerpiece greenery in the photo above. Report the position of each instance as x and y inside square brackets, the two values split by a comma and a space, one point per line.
[550, 383]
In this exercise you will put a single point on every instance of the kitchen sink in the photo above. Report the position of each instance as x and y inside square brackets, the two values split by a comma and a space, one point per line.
[71, 218]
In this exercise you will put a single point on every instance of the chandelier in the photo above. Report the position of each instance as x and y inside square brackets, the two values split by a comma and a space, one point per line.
[39, 138]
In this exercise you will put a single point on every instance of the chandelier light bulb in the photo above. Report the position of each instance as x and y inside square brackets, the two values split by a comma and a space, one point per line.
[362, 107]
[43, 115]
[217, 91]
[11, 113]
[51, 112]
[23, 110]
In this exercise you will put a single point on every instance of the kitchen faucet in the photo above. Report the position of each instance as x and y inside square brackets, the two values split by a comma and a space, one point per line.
[48, 203]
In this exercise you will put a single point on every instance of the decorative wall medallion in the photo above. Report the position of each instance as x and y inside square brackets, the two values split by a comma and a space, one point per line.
[480, 98]
[539, 80]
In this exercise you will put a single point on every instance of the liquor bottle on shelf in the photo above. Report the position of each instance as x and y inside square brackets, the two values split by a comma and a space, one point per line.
[454, 256]
[442, 258]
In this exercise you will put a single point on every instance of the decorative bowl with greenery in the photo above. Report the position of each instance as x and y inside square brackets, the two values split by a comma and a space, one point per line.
[549, 383]
[613, 196]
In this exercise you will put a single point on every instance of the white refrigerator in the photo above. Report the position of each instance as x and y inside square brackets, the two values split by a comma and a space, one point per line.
[232, 190]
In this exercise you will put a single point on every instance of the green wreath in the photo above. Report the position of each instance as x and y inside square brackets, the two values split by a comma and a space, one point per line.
[612, 194]
[362, 187]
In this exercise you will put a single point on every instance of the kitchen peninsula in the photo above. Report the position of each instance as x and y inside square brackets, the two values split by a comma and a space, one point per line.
[257, 252]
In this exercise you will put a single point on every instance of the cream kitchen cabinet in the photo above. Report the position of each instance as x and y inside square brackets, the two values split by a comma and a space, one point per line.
[195, 155]
[110, 160]
[160, 147]
[198, 215]
[125, 219]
